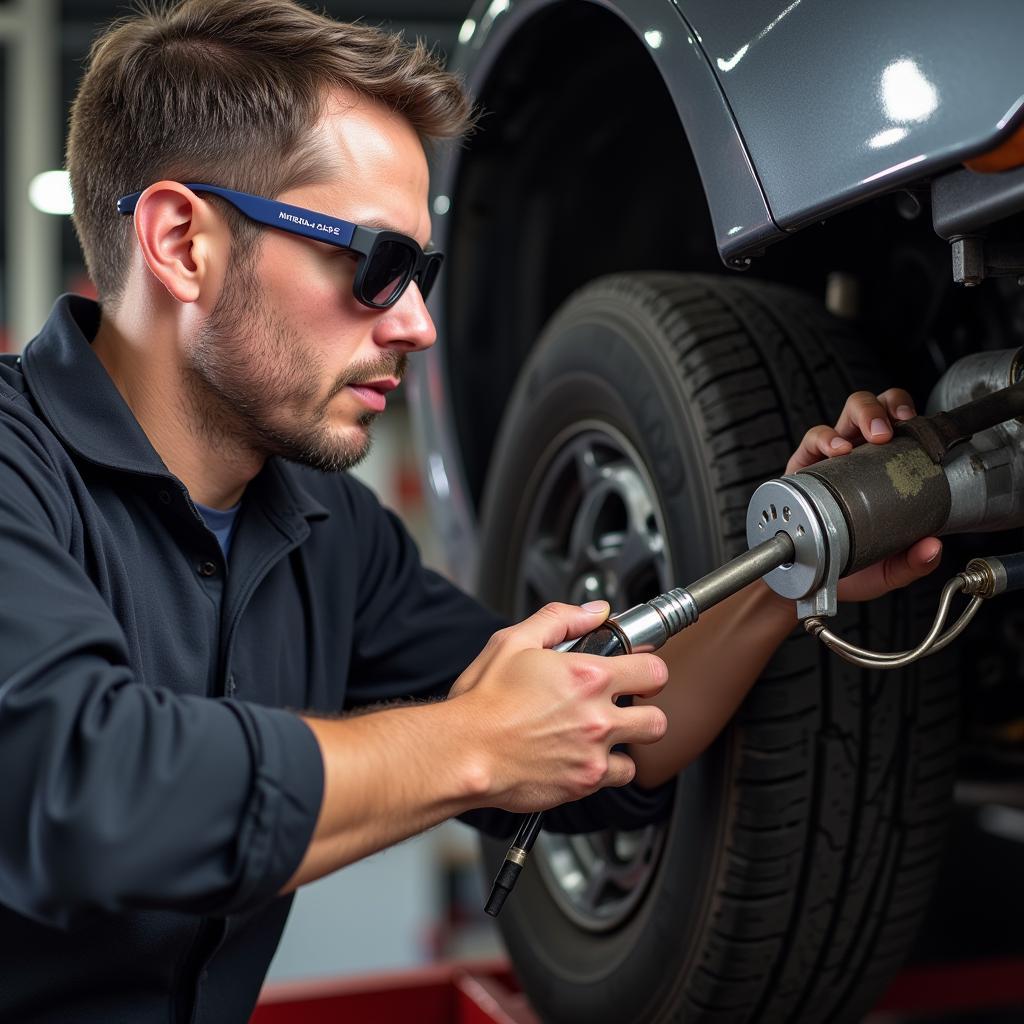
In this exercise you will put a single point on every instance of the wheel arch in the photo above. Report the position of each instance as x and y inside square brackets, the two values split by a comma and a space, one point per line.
[563, 161]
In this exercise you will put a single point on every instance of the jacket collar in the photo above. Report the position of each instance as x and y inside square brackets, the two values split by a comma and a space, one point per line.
[83, 407]
[77, 397]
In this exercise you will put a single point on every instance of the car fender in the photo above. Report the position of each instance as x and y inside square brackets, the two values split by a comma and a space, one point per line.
[739, 211]
[838, 102]
[797, 109]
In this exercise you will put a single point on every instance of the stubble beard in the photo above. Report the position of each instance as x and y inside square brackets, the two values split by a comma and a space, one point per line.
[253, 385]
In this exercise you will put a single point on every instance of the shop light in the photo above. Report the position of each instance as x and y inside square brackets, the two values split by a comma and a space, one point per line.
[50, 192]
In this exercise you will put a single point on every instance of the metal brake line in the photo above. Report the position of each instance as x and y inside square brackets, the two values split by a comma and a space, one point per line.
[979, 580]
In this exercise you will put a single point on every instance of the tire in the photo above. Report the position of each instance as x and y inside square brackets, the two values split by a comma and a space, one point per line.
[802, 846]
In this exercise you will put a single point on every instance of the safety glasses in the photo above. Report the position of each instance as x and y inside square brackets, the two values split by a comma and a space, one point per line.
[388, 261]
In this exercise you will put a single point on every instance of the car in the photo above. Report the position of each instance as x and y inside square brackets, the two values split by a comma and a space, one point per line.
[684, 232]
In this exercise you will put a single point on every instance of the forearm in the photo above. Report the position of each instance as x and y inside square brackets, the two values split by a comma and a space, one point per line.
[387, 776]
[712, 666]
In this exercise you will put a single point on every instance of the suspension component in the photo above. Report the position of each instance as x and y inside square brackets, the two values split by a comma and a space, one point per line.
[954, 471]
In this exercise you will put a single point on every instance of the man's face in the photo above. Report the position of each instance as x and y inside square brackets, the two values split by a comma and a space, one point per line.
[289, 363]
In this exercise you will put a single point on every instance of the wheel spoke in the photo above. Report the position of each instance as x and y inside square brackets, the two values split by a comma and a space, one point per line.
[640, 553]
[588, 468]
[606, 874]
[582, 535]
[635, 856]
[598, 879]
[546, 573]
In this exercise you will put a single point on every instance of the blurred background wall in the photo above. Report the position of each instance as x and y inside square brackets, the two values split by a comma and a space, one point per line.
[421, 900]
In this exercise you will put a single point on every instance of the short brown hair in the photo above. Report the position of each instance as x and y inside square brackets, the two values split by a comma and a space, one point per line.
[226, 91]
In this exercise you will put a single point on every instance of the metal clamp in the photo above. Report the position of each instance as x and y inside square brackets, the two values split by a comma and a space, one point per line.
[804, 509]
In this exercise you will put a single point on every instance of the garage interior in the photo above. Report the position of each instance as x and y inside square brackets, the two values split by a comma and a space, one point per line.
[591, 161]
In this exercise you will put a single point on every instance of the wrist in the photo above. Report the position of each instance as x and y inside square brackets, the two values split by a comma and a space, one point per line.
[471, 765]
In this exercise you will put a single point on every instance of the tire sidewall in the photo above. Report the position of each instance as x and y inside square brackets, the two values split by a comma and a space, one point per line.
[593, 367]
[802, 844]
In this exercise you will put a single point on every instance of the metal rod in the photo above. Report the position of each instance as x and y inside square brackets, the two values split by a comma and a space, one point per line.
[647, 627]
[726, 580]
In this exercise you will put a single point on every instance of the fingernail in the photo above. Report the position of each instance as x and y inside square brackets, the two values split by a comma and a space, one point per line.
[933, 556]
[879, 426]
[839, 442]
[595, 606]
[904, 412]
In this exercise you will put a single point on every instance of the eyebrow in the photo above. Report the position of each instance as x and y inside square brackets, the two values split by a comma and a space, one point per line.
[377, 222]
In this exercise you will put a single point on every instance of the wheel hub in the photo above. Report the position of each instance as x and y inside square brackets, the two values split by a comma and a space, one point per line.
[593, 586]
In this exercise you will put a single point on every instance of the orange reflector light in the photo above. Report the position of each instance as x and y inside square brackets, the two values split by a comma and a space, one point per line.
[1006, 155]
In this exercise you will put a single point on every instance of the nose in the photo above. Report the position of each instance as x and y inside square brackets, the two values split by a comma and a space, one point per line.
[407, 326]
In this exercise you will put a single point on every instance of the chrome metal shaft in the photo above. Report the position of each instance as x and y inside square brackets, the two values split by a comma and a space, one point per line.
[726, 580]
[645, 627]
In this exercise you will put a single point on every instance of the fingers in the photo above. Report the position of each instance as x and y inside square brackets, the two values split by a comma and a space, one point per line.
[633, 675]
[898, 403]
[917, 561]
[864, 417]
[871, 416]
[639, 675]
[818, 443]
[621, 770]
[554, 622]
[893, 572]
[642, 723]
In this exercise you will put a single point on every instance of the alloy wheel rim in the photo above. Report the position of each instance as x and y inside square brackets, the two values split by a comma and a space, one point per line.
[595, 531]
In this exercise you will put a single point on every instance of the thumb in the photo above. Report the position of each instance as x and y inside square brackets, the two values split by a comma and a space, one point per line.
[556, 622]
[917, 561]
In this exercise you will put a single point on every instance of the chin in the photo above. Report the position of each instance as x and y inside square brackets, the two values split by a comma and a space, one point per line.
[333, 451]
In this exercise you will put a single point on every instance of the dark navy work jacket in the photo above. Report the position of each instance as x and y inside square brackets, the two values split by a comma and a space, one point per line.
[157, 788]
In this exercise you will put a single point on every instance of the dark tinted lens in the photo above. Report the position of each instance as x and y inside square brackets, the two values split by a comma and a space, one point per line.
[387, 272]
[429, 275]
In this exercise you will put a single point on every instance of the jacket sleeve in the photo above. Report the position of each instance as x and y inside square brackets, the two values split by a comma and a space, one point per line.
[118, 795]
[416, 633]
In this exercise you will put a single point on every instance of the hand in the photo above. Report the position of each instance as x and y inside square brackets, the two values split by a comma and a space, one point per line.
[867, 417]
[543, 721]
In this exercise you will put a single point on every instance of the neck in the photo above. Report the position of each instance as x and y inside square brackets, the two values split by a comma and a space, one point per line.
[141, 354]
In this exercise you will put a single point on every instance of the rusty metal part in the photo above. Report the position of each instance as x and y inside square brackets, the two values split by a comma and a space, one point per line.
[940, 432]
[891, 496]
[848, 513]
[804, 508]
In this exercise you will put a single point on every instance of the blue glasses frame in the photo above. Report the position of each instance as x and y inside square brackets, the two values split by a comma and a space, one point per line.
[388, 260]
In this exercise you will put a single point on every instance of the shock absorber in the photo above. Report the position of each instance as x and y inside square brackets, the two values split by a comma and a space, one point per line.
[959, 469]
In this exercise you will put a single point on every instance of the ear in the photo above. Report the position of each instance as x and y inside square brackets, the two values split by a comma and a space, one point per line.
[184, 243]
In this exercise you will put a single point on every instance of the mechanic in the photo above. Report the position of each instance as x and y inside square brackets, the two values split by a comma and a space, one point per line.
[196, 599]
